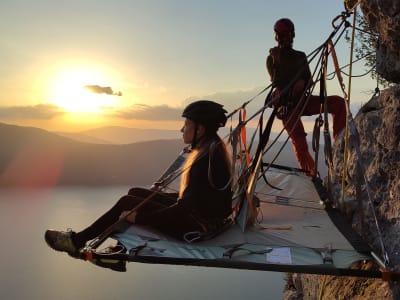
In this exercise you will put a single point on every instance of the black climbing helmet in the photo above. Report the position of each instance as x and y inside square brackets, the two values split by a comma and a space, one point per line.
[206, 112]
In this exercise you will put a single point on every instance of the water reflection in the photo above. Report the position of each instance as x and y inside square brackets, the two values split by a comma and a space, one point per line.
[31, 270]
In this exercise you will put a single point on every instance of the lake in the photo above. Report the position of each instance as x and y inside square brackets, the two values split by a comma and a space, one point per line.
[31, 270]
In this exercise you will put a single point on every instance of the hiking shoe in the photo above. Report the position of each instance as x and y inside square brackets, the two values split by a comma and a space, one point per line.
[61, 241]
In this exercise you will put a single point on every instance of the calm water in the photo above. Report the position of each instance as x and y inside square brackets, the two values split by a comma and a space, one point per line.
[31, 270]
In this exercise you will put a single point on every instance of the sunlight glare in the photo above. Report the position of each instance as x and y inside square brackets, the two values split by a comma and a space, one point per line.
[68, 91]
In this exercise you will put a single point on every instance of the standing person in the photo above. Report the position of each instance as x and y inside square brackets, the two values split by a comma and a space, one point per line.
[290, 73]
[204, 199]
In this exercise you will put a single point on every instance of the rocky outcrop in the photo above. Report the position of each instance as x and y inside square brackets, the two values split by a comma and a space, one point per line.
[383, 17]
[378, 125]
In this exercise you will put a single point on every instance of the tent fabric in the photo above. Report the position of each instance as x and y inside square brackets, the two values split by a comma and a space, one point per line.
[293, 233]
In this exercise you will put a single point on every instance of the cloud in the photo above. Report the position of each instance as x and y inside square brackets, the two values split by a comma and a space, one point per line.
[39, 111]
[102, 90]
[162, 112]
[147, 112]
[234, 99]
[230, 100]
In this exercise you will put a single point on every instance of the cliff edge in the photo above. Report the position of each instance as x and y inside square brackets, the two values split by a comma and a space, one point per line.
[378, 125]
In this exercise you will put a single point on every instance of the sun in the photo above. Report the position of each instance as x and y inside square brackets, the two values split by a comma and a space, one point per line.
[68, 91]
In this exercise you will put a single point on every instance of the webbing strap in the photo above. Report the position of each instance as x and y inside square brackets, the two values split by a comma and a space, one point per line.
[327, 137]
[243, 135]
[315, 140]
[337, 68]
[251, 177]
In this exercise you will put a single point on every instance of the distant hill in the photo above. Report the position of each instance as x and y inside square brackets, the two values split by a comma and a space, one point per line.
[122, 135]
[35, 157]
[81, 137]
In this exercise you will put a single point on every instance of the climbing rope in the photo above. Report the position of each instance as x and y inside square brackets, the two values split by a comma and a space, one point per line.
[346, 139]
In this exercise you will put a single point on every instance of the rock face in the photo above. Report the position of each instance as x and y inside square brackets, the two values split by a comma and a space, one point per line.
[384, 18]
[378, 125]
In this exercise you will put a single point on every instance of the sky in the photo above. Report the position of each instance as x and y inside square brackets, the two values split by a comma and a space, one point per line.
[81, 64]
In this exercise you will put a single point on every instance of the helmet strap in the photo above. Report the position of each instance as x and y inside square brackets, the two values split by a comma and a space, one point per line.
[285, 44]
[194, 140]
[284, 41]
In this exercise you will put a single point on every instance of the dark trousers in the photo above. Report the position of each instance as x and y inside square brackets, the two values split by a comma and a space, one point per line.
[161, 212]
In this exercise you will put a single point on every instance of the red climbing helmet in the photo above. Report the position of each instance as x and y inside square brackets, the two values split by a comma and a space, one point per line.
[284, 29]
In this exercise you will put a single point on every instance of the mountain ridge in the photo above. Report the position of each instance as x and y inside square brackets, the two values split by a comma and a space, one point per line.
[37, 157]
[121, 135]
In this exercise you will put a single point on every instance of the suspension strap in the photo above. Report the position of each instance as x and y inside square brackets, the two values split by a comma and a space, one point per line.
[345, 96]
[346, 139]
[240, 157]
[337, 68]
[264, 137]
[324, 108]
[248, 213]
[243, 135]
[315, 140]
